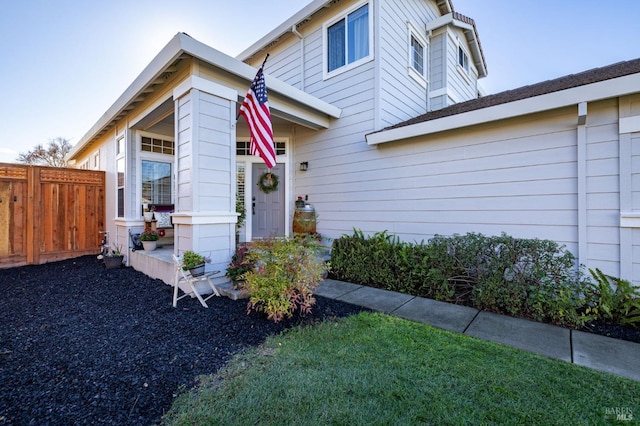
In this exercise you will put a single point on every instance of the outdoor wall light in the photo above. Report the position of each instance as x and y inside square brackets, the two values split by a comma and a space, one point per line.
[304, 166]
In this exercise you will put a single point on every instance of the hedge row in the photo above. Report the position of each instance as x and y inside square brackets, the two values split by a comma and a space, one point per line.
[529, 278]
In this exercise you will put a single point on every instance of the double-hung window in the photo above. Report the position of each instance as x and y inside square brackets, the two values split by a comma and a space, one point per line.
[348, 40]
[418, 46]
[417, 55]
[463, 59]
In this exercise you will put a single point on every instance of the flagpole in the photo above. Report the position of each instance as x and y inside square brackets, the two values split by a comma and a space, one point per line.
[261, 67]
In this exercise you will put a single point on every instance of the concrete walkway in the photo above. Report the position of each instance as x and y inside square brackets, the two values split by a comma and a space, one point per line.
[590, 350]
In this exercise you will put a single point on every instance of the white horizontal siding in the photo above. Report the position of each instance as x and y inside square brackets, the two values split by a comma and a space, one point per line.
[213, 180]
[437, 61]
[400, 96]
[504, 178]
[603, 194]
[461, 86]
[184, 172]
[285, 63]
[635, 175]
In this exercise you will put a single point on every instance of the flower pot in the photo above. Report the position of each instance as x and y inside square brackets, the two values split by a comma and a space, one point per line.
[197, 271]
[149, 245]
[148, 216]
[112, 262]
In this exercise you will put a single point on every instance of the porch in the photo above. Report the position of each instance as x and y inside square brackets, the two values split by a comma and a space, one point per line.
[159, 264]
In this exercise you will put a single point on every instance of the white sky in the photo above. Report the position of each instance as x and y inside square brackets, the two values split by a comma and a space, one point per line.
[66, 61]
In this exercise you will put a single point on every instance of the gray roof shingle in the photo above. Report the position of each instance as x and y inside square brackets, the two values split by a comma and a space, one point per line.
[594, 75]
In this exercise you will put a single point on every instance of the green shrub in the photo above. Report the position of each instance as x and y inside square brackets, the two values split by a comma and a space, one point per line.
[239, 264]
[619, 305]
[286, 274]
[531, 278]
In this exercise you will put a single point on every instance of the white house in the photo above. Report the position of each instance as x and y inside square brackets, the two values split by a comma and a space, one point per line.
[380, 99]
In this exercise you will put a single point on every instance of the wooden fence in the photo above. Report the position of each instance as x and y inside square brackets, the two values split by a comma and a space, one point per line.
[49, 213]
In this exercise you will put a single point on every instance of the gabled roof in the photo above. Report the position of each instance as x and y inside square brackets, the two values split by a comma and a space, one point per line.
[468, 27]
[165, 64]
[599, 83]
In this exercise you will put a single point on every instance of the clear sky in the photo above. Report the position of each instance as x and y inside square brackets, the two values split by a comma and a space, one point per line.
[66, 61]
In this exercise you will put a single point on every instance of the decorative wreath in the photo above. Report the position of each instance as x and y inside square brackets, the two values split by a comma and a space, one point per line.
[268, 182]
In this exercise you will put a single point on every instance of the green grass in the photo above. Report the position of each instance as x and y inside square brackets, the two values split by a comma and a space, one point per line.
[377, 369]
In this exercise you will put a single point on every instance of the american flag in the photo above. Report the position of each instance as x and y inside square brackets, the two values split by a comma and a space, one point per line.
[255, 110]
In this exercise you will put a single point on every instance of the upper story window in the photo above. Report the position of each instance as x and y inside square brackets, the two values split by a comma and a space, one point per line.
[417, 55]
[348, 40]
[463, 59]
[417, 60]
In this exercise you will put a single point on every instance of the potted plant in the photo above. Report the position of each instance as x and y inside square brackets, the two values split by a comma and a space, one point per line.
[148, 212]
[193, 262]
[149, 240]
[113, 258]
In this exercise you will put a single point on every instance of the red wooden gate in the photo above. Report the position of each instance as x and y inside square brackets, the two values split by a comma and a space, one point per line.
[49, 213]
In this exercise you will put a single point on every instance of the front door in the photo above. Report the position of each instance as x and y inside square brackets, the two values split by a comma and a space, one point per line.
[267, 210]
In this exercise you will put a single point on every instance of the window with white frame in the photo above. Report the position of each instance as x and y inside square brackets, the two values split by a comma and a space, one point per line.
[156, 166]
[417, 55]
[348, 40]
[463, 59]
[417, 59]
[120, 176]
[243, 147]
[156, 182]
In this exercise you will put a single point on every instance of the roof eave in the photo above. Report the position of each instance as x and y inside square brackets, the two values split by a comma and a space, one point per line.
[179, 45]
[611, 88]
[167, 56]
[472, 38]
[282, 29]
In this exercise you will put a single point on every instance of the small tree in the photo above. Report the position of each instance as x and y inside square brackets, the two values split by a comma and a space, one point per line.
[54, 155]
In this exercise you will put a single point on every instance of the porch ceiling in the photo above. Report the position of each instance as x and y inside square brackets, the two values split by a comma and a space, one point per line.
[288, 104]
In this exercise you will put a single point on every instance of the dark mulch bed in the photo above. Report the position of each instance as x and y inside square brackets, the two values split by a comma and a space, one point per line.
[80, 344]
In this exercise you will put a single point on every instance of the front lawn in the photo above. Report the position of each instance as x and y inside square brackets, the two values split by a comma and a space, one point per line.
[377, 369]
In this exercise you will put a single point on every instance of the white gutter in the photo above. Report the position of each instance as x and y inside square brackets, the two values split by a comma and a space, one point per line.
[283, 28]
[233, 66]
[587, 93]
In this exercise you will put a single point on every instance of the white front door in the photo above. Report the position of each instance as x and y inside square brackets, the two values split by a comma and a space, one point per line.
[267, 210]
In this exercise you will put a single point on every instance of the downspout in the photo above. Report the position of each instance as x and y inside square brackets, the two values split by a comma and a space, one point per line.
[429, 34]
[295, 31]
[581, 146]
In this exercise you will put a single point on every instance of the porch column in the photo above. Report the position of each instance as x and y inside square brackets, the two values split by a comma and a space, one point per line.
[205, 170]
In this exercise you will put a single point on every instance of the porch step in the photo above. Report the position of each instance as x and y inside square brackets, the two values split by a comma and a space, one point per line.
[156, 264]
[227, 289]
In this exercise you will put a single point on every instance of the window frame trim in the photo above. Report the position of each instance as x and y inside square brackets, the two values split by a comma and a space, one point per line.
[121, 156]
[157, 157]
[461, 48]
[412, 32]
[325, 40]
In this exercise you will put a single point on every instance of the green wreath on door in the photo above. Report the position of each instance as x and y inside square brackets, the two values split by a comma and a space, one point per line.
[268, 182]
